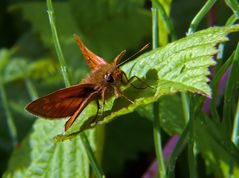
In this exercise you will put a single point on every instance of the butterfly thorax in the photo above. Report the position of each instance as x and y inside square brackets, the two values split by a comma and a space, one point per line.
[107, 78]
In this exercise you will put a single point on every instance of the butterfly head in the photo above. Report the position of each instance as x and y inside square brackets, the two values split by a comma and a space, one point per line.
[113, 76]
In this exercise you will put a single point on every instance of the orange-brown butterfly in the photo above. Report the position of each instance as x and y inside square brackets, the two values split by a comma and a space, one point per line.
[103, 81]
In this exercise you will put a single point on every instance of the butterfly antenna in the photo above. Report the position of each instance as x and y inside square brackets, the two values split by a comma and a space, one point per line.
[142, 49]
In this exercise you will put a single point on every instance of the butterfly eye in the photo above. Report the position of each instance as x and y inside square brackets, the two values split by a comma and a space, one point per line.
[109, 78]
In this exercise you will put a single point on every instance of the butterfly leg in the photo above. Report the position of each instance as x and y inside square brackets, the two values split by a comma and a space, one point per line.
[125, 81]
[132, 102]
[98, 108]
[103, 104]
[118, 94]
[95, 120]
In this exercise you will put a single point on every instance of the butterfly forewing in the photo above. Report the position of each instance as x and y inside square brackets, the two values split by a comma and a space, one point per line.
[64, 102]
[91, 58]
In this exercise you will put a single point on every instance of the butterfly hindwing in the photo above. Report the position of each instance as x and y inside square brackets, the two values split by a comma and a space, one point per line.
[80, 109]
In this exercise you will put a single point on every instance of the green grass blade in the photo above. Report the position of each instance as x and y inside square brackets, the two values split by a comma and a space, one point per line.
[198, 18]
[166, 19]
[156, 124]
[231, 93]
[55, 38]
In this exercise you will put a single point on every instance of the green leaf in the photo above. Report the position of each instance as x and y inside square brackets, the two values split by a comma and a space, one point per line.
[15, 69]
[4, 58]
[179, 66]
[218, 153]
[183, 65]
[44, 64]
[19, 68]
[171, 114]
[40, 156]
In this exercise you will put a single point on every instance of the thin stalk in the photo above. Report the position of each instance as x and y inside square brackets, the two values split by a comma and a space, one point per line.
[231, 20]
[192, 28]
[10, 122]
[235, 136]
[235, 131]
[192, 156]
[221, 71]
[187, 132]
[93, 161]
[214, 83]
[154, 28]
[191, 159]
[185, 104]
[157, 138]
[227, 113]
[234, 5]
[55, 38]
[177, 150]
[166, 19]
[230, 92]
[156, 125]
[96, 168]
[197, 19]
[158, 141]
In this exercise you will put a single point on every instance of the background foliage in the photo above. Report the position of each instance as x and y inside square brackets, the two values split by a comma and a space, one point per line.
[125, 148]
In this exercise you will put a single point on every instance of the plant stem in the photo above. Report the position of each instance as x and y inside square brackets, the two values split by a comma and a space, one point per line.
[216, 78]
[192, 155]
[55, 38]
[214, 85]
[229, 92]
[154, 28]
[156, 125]
[186, 112]
[231, 20]
[185, 104]
[235, 132]
[234, 5]
[95, 166]
[158, 141]
[97, 169]
[192, 28]
[177, 149]
[197, 19]
[166, 19]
